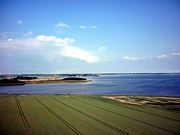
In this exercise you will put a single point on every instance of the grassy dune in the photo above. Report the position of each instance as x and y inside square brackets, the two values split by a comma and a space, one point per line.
[82, 114]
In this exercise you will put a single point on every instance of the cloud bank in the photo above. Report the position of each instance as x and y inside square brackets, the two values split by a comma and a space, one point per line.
[59, 47]
[75, 52]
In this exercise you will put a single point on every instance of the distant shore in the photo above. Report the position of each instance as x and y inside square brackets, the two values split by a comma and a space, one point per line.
[55, 81]
[12, 84]
[39, 80]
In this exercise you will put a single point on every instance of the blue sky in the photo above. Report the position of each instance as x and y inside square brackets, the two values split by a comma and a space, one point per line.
[89, 36]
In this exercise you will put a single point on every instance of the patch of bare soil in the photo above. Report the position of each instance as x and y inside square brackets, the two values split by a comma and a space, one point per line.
[171, 103]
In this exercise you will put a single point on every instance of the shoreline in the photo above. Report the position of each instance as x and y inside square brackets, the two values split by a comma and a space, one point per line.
[40, 80]
[55, 81]
[100, 95]
[11, 84]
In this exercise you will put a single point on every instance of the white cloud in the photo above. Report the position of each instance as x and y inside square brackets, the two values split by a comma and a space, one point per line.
[61, 24]
[10, 39]
[52, 47]
[161, 56]
[19, 22]
[83, 27]
[102, 48]
[143, 58]
[67, 49]
[19, 43]
[133, 58]
[54, 40]
[45, 38]
[176, 54]
[93, 27]
[86, 27]
[75, 52]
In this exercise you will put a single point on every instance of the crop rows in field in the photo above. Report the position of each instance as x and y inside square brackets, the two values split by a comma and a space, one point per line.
[59, 118]
[24, 120]
[138, 110]
[93, 118]
[158, 127]
[84, 114]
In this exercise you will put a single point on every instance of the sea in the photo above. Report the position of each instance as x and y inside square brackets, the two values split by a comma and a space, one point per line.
[127, 84]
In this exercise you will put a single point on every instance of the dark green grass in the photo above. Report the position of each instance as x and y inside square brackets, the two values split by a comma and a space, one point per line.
[10, 120]
[82, 114]
[129, 117]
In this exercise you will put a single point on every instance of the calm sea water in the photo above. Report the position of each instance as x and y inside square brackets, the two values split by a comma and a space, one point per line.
[138, 84]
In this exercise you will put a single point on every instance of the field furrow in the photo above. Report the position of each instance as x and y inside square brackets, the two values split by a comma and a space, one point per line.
[47, 114]
[24, 120]
[144, 122]
[59, 118]
[116, 115]
[93, 118]
[134, 108]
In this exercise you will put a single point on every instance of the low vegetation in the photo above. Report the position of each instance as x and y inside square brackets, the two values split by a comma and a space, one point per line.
[12, 81]
[21, 80]
[74, 78]
[168, 103]
[82, 114]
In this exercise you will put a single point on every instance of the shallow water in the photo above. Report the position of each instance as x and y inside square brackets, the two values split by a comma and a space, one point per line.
[138, 84]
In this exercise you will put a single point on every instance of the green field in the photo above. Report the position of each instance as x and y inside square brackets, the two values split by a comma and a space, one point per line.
[82, 114]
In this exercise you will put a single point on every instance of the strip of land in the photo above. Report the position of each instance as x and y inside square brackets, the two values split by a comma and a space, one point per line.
[165, 102]
[86, 114]
[21, 80]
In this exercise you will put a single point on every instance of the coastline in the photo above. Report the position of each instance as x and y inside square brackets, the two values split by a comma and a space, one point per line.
[39, 80]
[12, 84]
[55, 81]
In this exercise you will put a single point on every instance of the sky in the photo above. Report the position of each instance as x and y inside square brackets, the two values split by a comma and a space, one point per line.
[89, 36]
